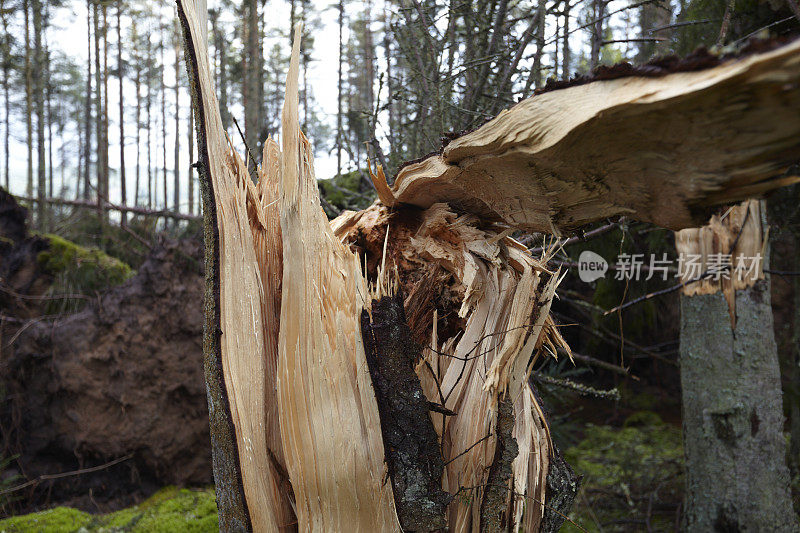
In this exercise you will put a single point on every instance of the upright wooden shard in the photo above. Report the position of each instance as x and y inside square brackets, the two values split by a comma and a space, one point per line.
[241, 340]
[328, 414]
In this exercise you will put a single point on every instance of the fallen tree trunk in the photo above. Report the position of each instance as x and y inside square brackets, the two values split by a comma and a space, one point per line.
[295, 322]
[108, 206]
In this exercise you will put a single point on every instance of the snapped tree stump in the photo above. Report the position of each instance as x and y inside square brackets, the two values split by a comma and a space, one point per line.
[303, 431]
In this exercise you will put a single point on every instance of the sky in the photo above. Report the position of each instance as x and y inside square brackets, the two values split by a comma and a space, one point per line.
[68, 34]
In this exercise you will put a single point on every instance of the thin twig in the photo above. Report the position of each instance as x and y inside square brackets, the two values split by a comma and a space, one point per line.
[45, 477]
[468, 449]
[249, 153]
[583, 237]
[603, 364]
[680, 25]
[584, 390]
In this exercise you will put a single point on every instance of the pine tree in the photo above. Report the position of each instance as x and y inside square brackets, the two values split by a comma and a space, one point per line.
[120, 72]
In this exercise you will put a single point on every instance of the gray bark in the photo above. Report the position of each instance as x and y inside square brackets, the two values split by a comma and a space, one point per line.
[736, 474]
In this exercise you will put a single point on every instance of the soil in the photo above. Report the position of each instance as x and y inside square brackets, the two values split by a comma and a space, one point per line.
[123, 377]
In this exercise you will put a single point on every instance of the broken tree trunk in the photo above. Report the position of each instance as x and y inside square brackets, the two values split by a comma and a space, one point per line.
[660, 150]
[736, 473]
[310, 361]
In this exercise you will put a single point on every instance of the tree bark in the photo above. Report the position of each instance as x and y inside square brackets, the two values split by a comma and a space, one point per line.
[252, 93]
[28, 96]
[163, 91]
[6, 88]
[339, 93]
[39, 90]
[176, 185]
[736, 475]
[98, 104]
[137, 82]
[87, 118]
[122, 181]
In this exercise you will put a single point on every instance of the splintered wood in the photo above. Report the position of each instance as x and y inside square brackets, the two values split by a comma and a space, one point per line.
[302, 402]
[294, 297]
[504, 297]
[727, 254]
[657, 149]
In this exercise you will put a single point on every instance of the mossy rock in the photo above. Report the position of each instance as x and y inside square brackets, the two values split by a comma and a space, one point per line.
[624, 471]
[89, 263]
[346, 191]
[168, 510]
[79, 270]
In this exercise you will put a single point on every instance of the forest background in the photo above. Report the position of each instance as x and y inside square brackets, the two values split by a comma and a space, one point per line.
[96, 116]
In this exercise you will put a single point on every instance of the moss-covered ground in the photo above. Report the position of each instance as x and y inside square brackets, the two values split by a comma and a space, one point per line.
[632, 476]
[170, 510]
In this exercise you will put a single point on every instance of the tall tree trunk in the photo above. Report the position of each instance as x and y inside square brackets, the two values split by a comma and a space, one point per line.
[149, 115]
[6, 88]
[137, 82]
[177, 178]
[794, 373]
[394, 149]
[98, 105]
[28, 97]
[369, 69]
[122, 180]
[598, 14]
[38, 87]
[566, 54]
[339, 94]
[87, 117]
[47, 90]
[50, 120]
[105, 148]
[252, 90]
[536, 71]
[736, 474]
[163, 91]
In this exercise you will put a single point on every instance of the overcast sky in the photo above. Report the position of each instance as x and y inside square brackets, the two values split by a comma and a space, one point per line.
[68, 34]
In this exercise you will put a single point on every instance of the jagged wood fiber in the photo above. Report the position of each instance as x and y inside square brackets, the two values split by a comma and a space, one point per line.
[660, 150]
[240, 355]
[295, 423]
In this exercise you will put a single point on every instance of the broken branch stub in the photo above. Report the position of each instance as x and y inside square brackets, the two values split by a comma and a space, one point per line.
[411, 444]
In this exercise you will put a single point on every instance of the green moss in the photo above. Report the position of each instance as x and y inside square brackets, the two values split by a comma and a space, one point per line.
[345, 191]
[58, 520]
[79, 270]
[65, 255]
[168, 510]
[624, 470]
